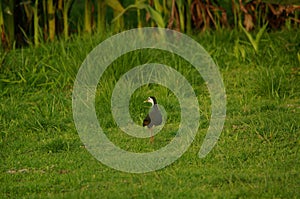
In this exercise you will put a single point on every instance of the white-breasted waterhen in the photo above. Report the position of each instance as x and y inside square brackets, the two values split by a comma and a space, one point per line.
[154, 117]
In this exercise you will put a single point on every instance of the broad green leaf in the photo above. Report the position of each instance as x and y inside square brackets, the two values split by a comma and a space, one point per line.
[158, 6]
[138, 5]
[115, 4]
[261, 32]
[180, 5]
[156, 16]
[249, 36]
[254, 42]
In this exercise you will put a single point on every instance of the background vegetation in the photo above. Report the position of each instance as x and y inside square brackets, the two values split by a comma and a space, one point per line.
[33, 21]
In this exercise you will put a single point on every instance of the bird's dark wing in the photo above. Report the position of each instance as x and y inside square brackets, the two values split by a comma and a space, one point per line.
[147, 120]
[155, 115]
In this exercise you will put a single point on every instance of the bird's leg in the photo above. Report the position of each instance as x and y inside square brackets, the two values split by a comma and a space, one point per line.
[151, 135]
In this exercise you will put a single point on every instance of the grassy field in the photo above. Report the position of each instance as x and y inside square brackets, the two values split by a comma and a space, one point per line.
[257, 154]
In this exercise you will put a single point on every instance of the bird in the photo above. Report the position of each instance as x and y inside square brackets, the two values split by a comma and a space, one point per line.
[154, 117]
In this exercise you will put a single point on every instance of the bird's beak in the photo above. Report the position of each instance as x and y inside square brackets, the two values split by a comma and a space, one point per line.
[145, 101]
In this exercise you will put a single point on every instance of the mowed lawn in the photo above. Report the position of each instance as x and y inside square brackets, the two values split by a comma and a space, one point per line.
[257, 155]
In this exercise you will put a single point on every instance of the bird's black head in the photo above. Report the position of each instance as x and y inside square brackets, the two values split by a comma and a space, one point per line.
[154, 99]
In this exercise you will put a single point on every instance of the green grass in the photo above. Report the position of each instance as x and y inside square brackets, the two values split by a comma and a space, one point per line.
[257, 154]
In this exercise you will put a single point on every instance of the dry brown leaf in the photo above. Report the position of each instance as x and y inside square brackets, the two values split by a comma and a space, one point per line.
[248, 22]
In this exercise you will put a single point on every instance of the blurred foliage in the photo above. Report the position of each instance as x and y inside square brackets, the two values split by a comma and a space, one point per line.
[285, 2]
[26, 22]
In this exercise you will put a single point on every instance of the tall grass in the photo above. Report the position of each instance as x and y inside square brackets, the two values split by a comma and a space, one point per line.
[256, 156]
